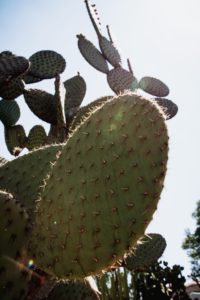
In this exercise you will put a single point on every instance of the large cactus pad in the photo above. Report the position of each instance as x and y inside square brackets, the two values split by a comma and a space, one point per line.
[103, 189]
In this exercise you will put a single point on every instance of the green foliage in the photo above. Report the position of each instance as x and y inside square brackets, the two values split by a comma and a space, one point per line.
[192, 244]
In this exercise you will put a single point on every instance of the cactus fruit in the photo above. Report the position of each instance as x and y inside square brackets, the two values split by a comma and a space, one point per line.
[15, 138]
[14, 224]
[42, 104]
[147, 251]
[79, 290]
[169, 107]
[92, 55]
[37, 138]
[121, 80]
[12, 89]
[9, 112]
[14, 279]
[24, 176]
[153, 86]
[103, 190]
[13, 66]
[75, 88]
[46, 64]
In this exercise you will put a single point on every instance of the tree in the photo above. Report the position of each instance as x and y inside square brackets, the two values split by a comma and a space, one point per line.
[192, 245]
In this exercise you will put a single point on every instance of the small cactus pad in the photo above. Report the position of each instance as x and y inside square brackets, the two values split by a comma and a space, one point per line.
[13, 226]
[169, 107]
[75, 88]
[85, 111]
[121, 80]
[147, 251]
[23, 176]
[46, 64]
[13, 66]
[71, 290]
[103, 190]
[14, 279]
[12, 89]
[153, 86]
[15, 138]
[9, 112]
[110, 52]
[42, 104]
[92, 55]
[28, 78]
[36, 138]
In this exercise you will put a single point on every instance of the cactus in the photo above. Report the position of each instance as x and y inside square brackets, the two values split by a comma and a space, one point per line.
[88, 188]
[117, 128]
[147, 251]
[14, 226]
[79, 290]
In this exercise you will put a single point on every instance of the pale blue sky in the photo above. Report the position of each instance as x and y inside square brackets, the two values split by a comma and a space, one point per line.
[162, 39]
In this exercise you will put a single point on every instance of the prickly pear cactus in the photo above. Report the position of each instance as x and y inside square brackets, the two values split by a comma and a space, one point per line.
[147, 251]
[80, 200]
[119, 156]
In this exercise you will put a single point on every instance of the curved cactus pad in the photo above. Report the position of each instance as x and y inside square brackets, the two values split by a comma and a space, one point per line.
[12, 89]
[121, 80]
[147, 251]
[103, 190]
[110, 52]
[14, 224]
[85, 111]
[75, 88]
[42, 104]
[46, 64]
[169, 107]
[37, 137]
[13, 66]
[72, 290]
[9, 112]
[153, 86]
[24, 176]
[15, 138]
[14, 279]
[3, 161]
[92, 55]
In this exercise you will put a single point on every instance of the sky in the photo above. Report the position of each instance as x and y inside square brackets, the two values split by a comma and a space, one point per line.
[162, 40]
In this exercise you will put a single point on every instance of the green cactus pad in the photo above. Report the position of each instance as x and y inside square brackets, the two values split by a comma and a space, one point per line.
[92, 55]
[37, 137]
[46, 64]
[79, 290]
[42, 104]
[13, 66]
[9, 112]
[153, 86]
[28, 78]
[75, 88]
[85, 111]
[14, 279]
[12, 89]
[15, 138]
[110, 52]
[169, 107]
[121, 80]
[147, 251]
[103, 190]
[24, 176]
[14, 226]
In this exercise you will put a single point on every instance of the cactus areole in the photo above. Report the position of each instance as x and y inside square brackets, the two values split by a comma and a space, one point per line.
[101, 193]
